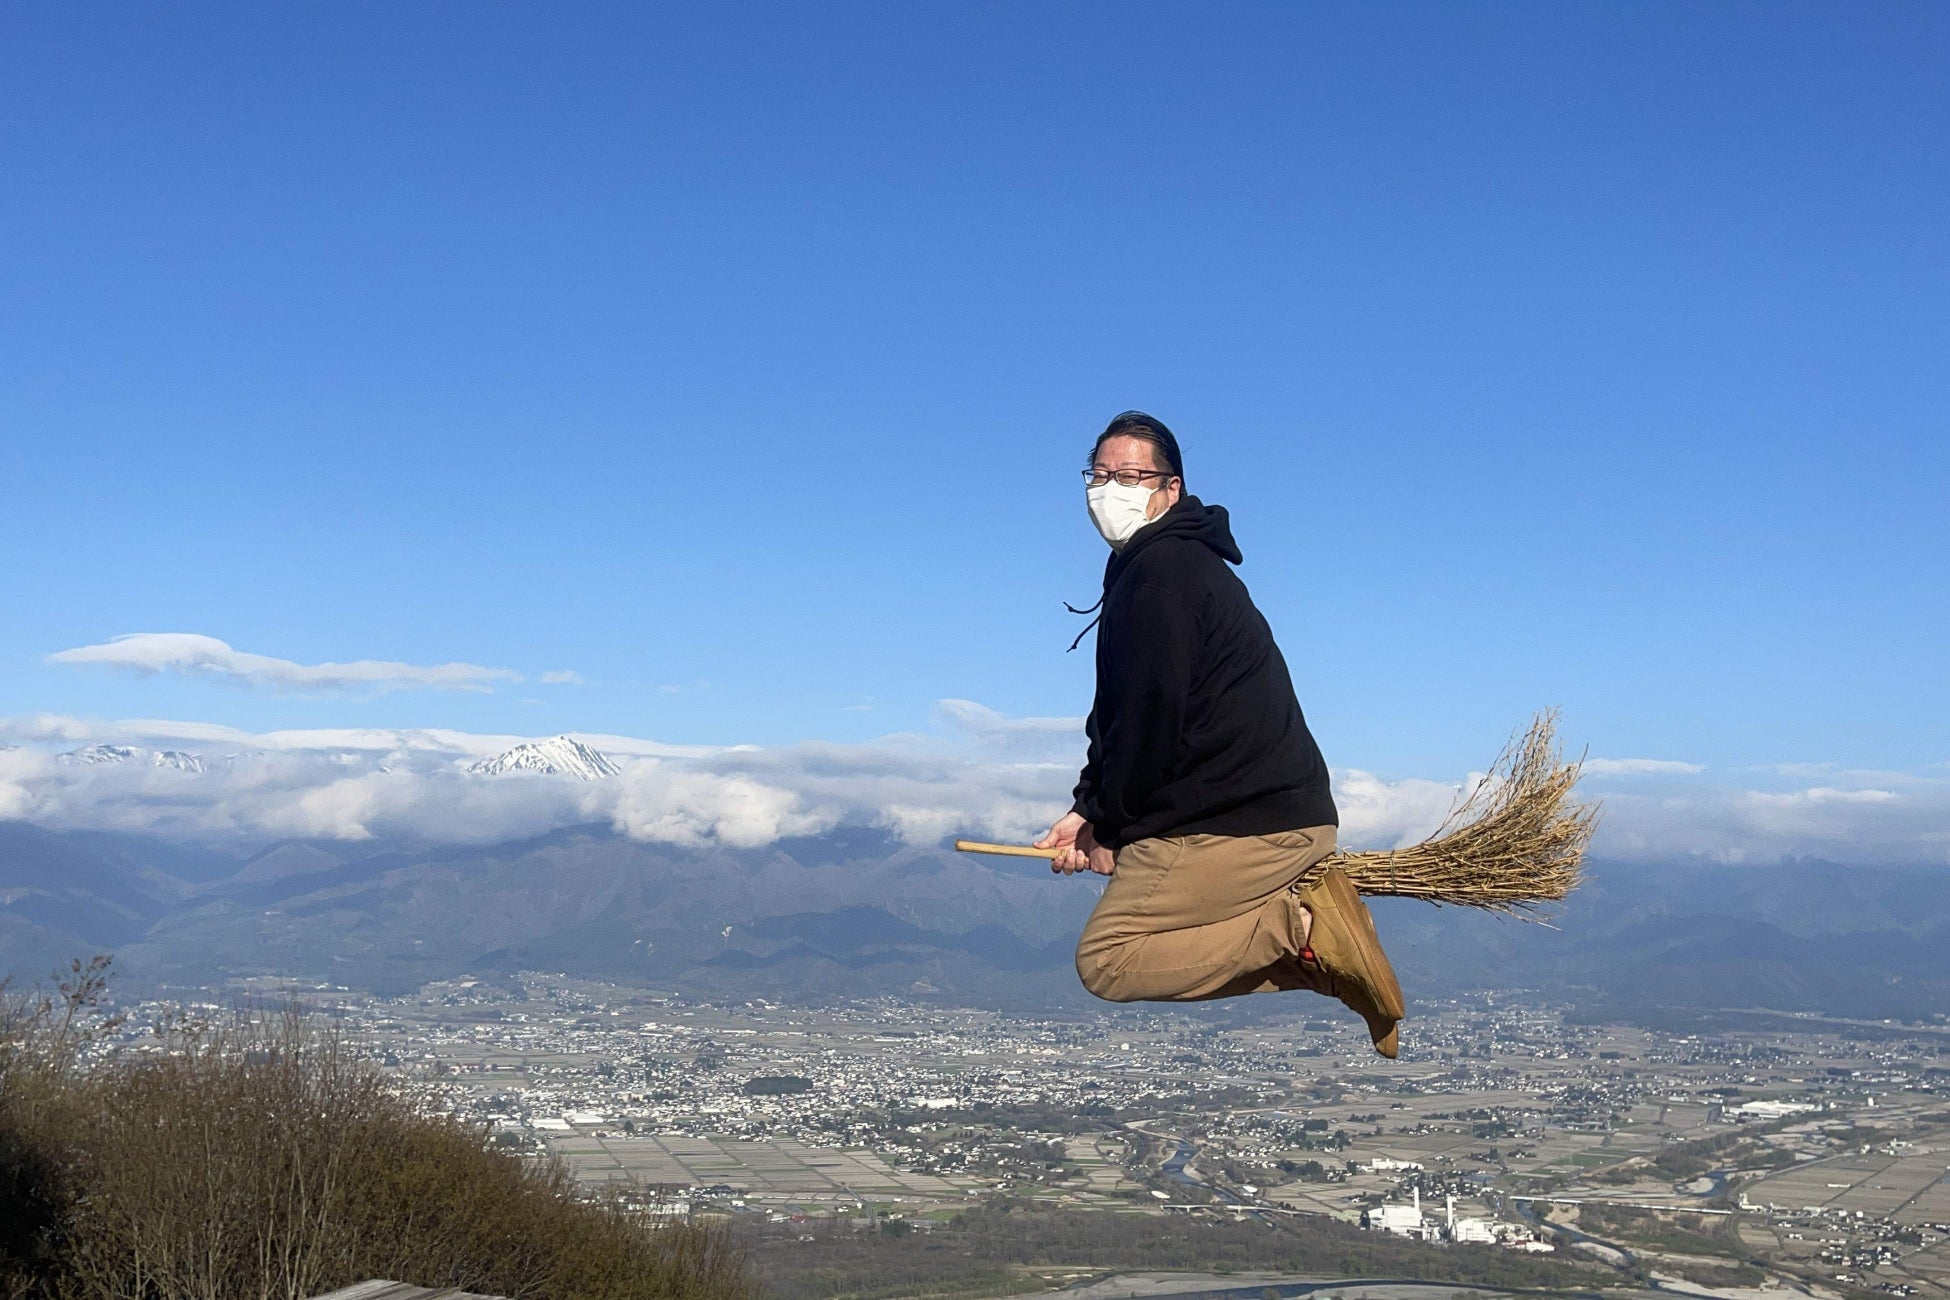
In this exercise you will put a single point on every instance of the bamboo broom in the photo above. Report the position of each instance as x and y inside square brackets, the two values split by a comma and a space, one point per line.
[1515, 841]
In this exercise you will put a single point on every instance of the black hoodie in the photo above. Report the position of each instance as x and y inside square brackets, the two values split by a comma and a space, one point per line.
[1195, 728]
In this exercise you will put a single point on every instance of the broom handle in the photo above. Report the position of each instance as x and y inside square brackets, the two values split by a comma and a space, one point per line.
[1005, 850]
[1362, 871]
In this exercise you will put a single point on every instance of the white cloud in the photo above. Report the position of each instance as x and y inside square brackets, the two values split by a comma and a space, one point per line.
[977, 773]
[998, 780]
[21, 772]
[562, 677]
[275, 794]
[194, 654]
[1802, 770]
[1377, 814]
[981, 720]
[922, 787]
[655, 800]
[1641, 767]
[1847, 824]
[444, 806]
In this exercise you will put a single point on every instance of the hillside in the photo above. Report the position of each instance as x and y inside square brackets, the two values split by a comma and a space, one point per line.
[856, 913]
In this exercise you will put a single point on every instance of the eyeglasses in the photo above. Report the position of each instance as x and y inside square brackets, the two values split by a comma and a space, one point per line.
[1124, 477]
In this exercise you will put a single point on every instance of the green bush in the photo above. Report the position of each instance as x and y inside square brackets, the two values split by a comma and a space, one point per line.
[260, 1155]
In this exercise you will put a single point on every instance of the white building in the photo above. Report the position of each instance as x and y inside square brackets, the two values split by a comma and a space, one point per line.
[1765, 1109]
[1478, 1231]
[1406, 1220]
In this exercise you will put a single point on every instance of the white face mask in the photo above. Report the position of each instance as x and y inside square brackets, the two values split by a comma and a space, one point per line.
[1118, 511]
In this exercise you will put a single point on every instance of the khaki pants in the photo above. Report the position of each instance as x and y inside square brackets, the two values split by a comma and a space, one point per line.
[1201, 916]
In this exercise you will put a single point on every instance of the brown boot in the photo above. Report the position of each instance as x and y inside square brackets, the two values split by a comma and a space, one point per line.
[1344, 946]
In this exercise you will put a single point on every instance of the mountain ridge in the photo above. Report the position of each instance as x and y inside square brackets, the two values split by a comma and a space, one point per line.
[858, 913]
[556, 756]
[114, 755]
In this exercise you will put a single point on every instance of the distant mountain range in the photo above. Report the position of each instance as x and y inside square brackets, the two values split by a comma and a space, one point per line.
[855, 913]
[557, 756]
[104, 755]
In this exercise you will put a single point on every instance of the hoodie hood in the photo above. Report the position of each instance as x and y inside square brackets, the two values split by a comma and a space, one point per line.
[1191, 520]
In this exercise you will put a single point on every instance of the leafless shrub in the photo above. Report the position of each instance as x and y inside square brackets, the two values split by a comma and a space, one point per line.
[258, 1155]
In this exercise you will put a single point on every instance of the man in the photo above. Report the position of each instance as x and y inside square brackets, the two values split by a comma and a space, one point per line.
[1204, 797]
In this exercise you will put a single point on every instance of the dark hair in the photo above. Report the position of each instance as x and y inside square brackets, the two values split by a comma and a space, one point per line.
[1145, 428]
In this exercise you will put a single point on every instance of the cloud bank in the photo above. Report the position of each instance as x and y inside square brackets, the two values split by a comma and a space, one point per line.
[1640, 767]
[974, 772]
[196, 655]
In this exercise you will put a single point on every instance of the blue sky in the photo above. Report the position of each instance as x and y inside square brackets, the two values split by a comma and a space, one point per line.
[739, 359]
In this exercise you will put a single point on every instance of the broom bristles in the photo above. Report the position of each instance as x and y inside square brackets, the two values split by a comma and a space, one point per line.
[1515, 841]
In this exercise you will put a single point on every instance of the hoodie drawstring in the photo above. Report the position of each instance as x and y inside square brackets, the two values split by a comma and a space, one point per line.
[1087, 626]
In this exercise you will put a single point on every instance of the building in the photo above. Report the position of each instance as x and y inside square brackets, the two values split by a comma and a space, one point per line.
[1477, 1231]
[1404, 1220]
[1765, 1109]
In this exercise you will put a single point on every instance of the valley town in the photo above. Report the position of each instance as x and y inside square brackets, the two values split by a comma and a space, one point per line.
[1766, 1152]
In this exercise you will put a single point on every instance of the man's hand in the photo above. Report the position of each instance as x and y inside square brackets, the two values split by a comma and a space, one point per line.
[1063, 836]
[1081, 852]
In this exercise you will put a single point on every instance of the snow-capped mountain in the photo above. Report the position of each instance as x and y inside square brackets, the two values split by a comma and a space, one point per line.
[560, 756]
[103, 755]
